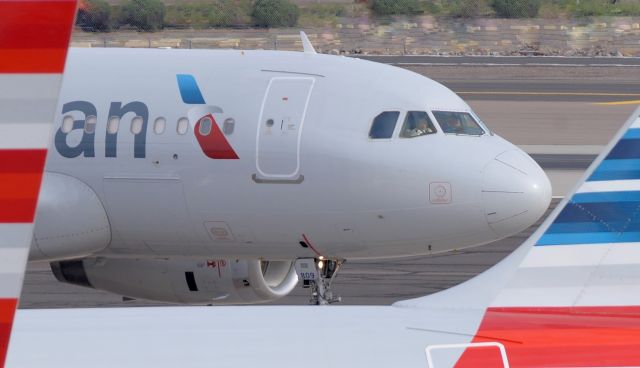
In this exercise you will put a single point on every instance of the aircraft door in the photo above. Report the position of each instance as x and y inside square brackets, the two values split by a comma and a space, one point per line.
[280, 127]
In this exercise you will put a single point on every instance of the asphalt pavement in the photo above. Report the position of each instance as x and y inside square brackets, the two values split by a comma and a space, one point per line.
[503, 60]
[547, 83]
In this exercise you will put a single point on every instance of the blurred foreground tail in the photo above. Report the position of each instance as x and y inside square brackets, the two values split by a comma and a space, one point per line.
[570, 295]
[34, 38]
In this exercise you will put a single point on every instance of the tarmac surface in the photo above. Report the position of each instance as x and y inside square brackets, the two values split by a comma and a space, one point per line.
[560, 110]
[503, 60]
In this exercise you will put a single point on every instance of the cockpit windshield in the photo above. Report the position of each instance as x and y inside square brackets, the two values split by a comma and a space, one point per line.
[454, 122]
[416, 124]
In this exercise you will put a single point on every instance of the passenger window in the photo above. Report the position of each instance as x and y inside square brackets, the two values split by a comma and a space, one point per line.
[136, 125]
[183, 126]
[453, 122]
[113, 124]
[67, 124]
[90, 124]
[416, 124]
[205, 126]
[228, 126]
[384, 125]
[159, 125]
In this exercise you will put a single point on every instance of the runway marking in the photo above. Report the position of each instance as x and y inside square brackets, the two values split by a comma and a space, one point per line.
[618, 103]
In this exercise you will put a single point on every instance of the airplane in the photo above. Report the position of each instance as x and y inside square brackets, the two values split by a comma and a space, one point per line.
[569, 296]
[201, 176]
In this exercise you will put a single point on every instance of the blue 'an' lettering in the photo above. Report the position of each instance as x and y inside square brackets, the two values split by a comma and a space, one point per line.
[86, 146]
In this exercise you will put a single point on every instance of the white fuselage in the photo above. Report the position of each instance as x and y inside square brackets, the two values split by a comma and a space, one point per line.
[315, 171]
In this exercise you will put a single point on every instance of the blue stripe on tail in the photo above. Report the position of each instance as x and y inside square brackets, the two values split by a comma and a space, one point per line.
[623, 162]
[625, 149]
[603, 217]
[592, 218]
[630, 196]
[588, 238]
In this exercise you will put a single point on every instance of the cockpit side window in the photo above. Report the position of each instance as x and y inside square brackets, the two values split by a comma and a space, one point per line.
[384, 125]
[453, 122]
[416, 124]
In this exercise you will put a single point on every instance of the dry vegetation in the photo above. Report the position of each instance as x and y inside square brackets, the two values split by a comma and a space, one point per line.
[149, 15]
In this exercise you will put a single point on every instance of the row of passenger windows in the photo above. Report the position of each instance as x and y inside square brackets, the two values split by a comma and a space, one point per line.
[136, 124]
[418, 123]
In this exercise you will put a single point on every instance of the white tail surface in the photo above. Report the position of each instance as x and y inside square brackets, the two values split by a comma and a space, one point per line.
[570, 295]
[588, 252]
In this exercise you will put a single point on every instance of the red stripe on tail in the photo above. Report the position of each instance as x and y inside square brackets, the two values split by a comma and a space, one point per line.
[559, 337]
[22, 160]
[20, 177]
[34, 35]
[7, 311]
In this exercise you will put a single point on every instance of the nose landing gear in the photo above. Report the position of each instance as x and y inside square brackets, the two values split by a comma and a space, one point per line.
[317, 274]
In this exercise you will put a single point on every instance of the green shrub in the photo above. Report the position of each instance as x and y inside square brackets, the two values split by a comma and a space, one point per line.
[145, 15]
[220, 13]
[390, 7]
[186, 15]
[196, 15]
[275, 13]
[325, 10]
[590, 8]
[594, 8]
[467, 8]
[629, 9]
[219, 16]
[432, 7]
[553, 10]
[516, 8]
[116, 17]
[94, 15]
[320, 15]
[238, 12]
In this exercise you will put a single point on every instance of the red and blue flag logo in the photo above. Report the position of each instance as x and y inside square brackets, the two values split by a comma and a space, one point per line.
[208, 134]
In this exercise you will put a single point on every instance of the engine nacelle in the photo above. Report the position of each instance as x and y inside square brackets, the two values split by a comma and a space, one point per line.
[188, 281]
[71, 221]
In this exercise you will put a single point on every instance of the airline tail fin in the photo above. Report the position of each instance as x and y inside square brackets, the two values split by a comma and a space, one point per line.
[570, 295]
[34, 38]
[586, 253]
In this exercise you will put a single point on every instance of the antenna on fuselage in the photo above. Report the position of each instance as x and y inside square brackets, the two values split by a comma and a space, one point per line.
[306, 44]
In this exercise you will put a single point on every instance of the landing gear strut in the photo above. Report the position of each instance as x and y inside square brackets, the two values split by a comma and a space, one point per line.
[317, 274]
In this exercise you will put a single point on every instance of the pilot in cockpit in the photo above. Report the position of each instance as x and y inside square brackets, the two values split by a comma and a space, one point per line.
[455, 126]
[421, 128]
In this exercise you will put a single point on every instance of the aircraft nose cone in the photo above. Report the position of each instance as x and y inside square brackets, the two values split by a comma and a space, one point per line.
[515, 191]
